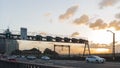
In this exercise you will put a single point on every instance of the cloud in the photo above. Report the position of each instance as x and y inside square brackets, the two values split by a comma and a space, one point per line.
[99, 24]
[119, 7]
[82, 20]
[106, 3]
[117, 16]
[115, 24]
[48, 17]
[47, 14]
[69, 13]
[75, 34]
[43, 33]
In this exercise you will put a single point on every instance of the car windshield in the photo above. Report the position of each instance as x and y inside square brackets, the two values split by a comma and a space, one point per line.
[96, 56]
[93, 57]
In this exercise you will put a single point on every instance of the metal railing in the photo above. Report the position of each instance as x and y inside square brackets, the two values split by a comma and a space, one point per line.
[6, 64]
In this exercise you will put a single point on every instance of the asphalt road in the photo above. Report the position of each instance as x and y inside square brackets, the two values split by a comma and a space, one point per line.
[83, 64]
[73, 63]
[69, 63]
[77, 64]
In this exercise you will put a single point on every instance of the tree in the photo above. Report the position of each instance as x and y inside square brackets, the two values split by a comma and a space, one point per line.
[16, 52]
[50, 52]
[33, 51]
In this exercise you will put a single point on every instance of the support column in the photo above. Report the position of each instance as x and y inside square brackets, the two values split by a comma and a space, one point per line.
[69, 50]
[88, 49]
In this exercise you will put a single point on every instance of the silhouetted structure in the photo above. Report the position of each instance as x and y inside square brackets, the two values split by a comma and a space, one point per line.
[7, 43]
[66, 39]
[88, 48]
[38, 37]
[58, 39]
[74, 40]
[9, 35]
[49, 38]
[23, 33]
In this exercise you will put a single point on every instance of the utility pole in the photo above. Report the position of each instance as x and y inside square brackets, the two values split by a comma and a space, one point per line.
[113, 43]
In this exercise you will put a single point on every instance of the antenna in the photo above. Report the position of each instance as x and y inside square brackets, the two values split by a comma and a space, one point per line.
[8, 27]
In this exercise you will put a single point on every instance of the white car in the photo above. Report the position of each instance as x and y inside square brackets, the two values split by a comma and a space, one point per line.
[95, 59]
[45, 58]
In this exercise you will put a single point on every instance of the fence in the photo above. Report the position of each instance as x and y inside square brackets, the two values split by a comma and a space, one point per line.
[6, 64]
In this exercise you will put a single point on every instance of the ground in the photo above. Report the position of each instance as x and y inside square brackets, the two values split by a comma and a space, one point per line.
[75, 64]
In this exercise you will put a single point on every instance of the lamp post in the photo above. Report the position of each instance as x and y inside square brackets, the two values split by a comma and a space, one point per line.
[113, 43]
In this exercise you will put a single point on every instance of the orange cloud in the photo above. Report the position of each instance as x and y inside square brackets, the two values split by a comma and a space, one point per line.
[69, 13]
[43, 33]
[75, 34]
[115, 24]
[106, 3]
[82, 20]
[99, 24]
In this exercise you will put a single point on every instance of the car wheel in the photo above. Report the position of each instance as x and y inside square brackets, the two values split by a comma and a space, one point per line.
[87, 61]
[102, 62]
[97, 61]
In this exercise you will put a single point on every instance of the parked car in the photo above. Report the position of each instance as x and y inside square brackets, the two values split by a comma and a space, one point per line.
[11, 58]
[95, 59]
[45, 58]
[31, 57]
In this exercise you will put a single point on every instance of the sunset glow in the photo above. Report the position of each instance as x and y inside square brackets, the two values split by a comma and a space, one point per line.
[102, 50]
[86, 19]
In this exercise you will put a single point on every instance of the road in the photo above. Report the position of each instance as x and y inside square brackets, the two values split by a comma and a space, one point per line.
[76, 64]
[70, 63]
[83, 64]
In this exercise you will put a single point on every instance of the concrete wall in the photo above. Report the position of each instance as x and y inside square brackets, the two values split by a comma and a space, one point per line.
[8, 45]
[2, 45]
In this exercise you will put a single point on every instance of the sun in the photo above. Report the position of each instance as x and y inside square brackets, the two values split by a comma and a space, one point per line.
[102, 36]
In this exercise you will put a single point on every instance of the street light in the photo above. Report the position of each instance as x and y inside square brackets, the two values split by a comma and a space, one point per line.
[113, 43]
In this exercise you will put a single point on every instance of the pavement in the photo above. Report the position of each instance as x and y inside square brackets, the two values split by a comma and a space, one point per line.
[70, 63]
[83, 64]
[75, 64]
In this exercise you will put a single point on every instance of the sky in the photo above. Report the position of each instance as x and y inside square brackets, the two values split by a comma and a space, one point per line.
[89, 19]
